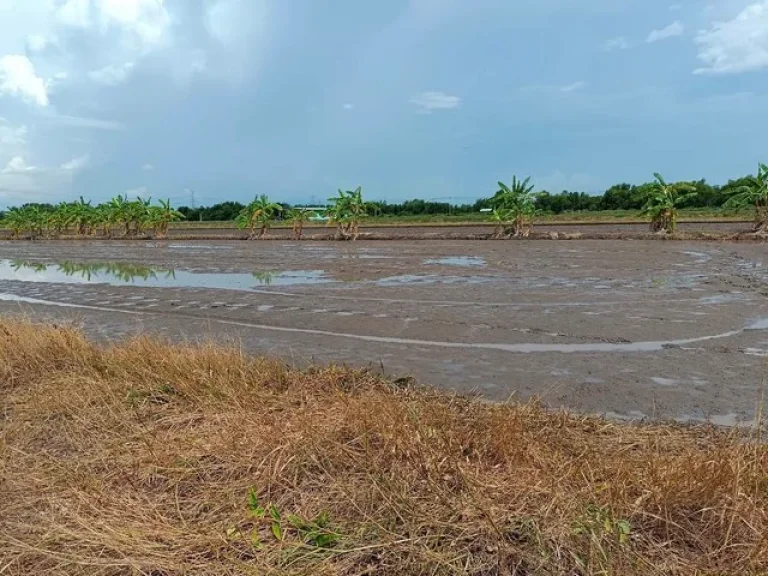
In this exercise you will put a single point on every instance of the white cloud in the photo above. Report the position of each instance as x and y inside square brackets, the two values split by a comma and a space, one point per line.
[76, 164]
[674, 29]
[111, 75]
[11, 137]
[146, 22]
[580, 85]
[75, 13]
[618, 43]
[96, 123]
[148, 19]
[348, 106]
[148, 167]
[737, 45]
[18, 78]
[38, 42]
[429, 101]
[16, 165]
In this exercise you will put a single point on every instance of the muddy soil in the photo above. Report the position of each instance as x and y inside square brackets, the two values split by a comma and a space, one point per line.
[641, 329]
[464, 231]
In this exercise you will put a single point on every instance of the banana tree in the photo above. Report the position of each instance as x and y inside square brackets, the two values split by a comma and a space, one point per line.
[17, 220]
[81, 215]
[160, 217]
[56, 221]
[261, 211]
[754, 194]
[137, 213]
[113, 215]
[500, 217]
[345, 212]
[663, 202]
[299, 217]
[515, 203]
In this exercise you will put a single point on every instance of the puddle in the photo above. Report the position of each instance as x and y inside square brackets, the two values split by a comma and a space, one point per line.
[431, 279]
[724, 298]
[520, 348]
[463, 261]
[666, 381]
[197, 247]
[698, 257]
[119, 274]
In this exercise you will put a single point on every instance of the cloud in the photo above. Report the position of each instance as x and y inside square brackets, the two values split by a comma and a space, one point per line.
[737, 45]
[147, 167]
[674, 29]
[11, 137]
[96, 123]
[111, 75]
[37, 43]
[144, 23]
[16, 165]
[76, 164]
[618, 43]
[18, 78]
[348, 106]
[429, 101]
[580, 85]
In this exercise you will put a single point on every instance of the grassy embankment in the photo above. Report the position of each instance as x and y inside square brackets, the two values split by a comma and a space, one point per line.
[140, 459]
[605, 216]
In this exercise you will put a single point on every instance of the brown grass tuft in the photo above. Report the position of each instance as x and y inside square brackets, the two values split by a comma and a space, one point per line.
[138, 459]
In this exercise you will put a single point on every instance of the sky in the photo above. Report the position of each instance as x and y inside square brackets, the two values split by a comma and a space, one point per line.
[213, 100]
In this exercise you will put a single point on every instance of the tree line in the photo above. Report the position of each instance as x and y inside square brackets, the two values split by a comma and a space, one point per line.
[617, 197]
[512, 208]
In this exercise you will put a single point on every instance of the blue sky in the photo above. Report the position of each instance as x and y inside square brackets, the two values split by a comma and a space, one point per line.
[408, 98]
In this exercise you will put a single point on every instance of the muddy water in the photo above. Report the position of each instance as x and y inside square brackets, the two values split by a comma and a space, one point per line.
[634, 329]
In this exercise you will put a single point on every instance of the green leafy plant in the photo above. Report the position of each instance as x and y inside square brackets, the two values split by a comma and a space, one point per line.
[261, 211]
[663, 201]
[501, 218]
[299, 217]
[345, 211]
[514, 208]
[317, 533]
[754, 194]
[603, 533]
[160, 218]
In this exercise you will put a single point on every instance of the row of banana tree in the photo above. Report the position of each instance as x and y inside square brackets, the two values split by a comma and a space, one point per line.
[514, 212]
[514, 207]
[344, 211]
[119, 217]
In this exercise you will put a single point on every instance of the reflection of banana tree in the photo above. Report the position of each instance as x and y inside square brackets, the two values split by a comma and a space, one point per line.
[83, 270]
[87, 270]
[22, 264]
[264, 278]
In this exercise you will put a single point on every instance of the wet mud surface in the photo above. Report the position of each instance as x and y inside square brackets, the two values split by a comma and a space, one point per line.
[635, 329]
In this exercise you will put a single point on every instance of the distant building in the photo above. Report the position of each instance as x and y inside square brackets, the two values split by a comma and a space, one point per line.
[317, 213]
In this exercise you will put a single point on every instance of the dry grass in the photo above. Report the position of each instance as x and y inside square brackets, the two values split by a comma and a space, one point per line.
[138, 459]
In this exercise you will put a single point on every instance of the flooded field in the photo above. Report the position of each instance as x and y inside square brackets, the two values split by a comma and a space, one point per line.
[635, 329]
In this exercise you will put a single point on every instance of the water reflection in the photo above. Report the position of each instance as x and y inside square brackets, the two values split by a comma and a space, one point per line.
[264, 278]
[92, 271]
[118, 274]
